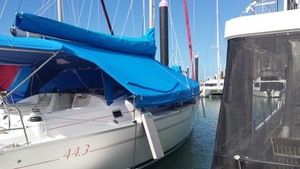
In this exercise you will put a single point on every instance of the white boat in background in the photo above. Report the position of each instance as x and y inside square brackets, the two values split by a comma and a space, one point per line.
[268, 86]
[212, 87]
[89, 100]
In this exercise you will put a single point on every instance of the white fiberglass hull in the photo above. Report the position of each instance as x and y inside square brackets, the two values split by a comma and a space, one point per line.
[211, 91]
[212, 87]
[121, 147]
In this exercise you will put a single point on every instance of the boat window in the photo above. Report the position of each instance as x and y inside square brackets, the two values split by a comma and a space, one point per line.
[210, 84]
[117, 113]
[257, 119]
[273, 85]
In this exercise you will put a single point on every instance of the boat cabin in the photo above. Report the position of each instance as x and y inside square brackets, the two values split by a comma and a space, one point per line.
[259, 119]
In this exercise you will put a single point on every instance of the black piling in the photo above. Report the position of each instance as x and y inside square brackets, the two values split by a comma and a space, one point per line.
[164, 44]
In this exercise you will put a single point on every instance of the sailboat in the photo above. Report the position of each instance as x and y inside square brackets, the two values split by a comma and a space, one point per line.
[89, 100]
[214, 86]
[261, 132]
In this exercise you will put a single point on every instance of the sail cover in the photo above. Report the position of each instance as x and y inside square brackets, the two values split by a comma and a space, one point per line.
[150, 81]
[44, 26]
[139, 74]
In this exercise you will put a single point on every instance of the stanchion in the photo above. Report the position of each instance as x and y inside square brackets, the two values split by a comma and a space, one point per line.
[238, 162]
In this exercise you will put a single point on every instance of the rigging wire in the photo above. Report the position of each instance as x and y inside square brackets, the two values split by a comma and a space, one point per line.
[224, 43]
[3, 9]
[80, 14]
[116, 14]
[177, 45]
[42, 13]
[175, 36]
[69, 11]
[19, 5]
[194, 22]
[207, 51]
[89, 18]
[72, 9]
[49, 12]
[44, 7]
[13, 24]
[174, 56]
[133, 27]
[129, 10]
[44, 2]
[98, 14]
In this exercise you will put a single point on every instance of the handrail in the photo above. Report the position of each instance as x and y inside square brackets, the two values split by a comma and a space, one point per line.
[23, 125]
[272, 6]
[271, 111]
[5, 104]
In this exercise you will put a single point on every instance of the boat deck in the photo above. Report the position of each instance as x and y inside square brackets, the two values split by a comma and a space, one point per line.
[60, 115]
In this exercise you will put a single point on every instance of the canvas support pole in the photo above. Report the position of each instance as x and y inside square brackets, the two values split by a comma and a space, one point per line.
[34, 72]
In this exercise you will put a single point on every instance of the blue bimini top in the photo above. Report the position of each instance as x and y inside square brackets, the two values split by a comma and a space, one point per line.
[128, 67]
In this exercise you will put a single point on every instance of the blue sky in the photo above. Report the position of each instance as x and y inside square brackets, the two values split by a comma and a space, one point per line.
[202, 17]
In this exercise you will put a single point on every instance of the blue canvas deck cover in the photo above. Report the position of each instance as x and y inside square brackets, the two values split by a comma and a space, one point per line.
[135, 68]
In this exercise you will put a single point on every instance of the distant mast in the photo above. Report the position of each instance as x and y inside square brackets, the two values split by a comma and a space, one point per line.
[151, 14]
[164, 44]
[144, 18]
[218, 46]
[59, 11]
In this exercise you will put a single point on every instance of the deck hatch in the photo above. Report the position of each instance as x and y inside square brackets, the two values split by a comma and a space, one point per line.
[117, 113]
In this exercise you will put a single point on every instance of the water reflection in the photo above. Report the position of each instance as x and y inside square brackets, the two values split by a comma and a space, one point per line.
[197, 153]
[262, 108]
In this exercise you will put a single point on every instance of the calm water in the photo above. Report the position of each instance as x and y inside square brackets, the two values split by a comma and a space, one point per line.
[198, 150]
